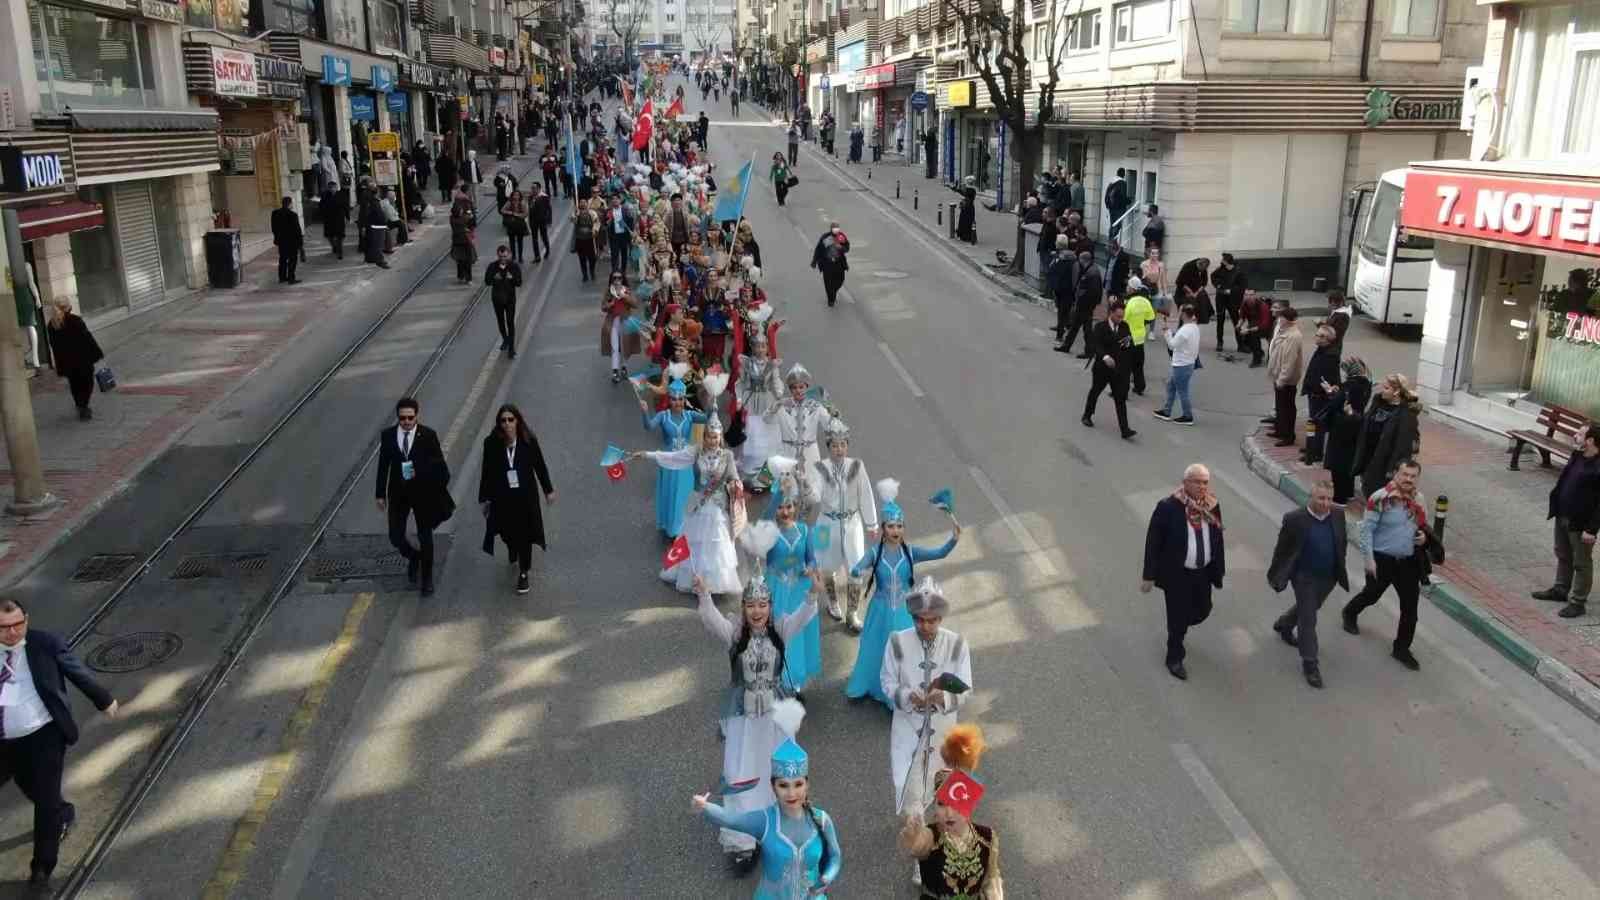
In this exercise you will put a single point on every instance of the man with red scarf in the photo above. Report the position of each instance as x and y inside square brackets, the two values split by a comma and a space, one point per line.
[1391, 535]
[1183, 555]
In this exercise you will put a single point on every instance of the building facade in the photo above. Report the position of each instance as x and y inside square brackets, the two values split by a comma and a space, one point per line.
[1513, 308]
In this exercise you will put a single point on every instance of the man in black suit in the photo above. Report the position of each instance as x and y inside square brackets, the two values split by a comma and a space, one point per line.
[1309, 557]
[1183, 555]
[413, 478]
[1087, 284]
[289, 237]
[1111, 344]
[36, 727]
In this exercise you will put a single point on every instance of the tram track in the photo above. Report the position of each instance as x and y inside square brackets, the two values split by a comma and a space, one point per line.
[259, 609]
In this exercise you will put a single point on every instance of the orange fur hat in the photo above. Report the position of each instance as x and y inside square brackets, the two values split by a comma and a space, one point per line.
[963, 747]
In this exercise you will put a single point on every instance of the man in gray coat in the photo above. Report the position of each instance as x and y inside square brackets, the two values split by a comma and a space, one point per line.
[1309, 557]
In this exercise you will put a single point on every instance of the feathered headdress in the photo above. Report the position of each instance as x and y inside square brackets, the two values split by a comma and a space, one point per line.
[789, 760]
[888, 489]
[759, 538]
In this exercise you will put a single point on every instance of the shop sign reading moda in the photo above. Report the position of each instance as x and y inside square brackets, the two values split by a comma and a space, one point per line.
[1558, 216]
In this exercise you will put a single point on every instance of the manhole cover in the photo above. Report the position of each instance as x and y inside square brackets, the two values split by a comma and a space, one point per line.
[133, 652]
[334, 568]
[104, 567]
[220, 565]
[890, 274]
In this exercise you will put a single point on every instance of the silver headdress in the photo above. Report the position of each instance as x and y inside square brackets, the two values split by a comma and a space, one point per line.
[714, 384]
[928, 599]
[837, 431]
[797, 375]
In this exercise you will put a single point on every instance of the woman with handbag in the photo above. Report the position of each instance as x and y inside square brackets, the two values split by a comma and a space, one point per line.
[512, 462]
[780, 176]
[514, 215]
[75, 352]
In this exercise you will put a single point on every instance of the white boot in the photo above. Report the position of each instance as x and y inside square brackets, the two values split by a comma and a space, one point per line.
[854, 591]
[833, 600]
[916, 874]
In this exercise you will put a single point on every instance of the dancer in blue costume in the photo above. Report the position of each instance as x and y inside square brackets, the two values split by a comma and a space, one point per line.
[800, 855]
[675, 424]
[891, 566]
[791, 566]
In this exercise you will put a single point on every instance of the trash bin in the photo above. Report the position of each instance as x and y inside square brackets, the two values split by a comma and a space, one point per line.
[224, 266]
[955, 210]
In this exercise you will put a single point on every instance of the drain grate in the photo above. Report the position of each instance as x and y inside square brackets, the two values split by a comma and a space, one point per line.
[220, 565]
[132, 652]
[104, 567]
[366, 565]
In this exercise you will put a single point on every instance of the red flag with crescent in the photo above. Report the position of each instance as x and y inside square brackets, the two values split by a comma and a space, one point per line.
[961, 792]
[643, 127]
[677, 553]
[616, 472]
[675, 109]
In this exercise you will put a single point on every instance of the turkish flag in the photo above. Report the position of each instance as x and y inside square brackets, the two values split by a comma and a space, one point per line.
[676, 108]
[617, 472]
[961, 792]
[677, 553]
[644, 126]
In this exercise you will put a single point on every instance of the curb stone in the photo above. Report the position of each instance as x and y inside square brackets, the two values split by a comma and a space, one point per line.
[1457, 603]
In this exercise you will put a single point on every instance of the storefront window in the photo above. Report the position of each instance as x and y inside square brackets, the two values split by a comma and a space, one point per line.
[293, 16]
[85, 59]
[1566, 364]
[94, 259]
[347, 22]
[169, 233]
[388, 27]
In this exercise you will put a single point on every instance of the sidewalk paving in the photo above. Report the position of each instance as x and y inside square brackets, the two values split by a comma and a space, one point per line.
[1498, 549]
[173, 364]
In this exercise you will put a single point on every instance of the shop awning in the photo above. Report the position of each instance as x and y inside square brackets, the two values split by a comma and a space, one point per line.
[59, 218]
[143, 119]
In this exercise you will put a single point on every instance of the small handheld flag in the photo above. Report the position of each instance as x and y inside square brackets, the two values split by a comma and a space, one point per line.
[617, 472]
[611, 456]
[677, 553]
[945, 500]
[961, 792]
[731, 199]
[951, 683]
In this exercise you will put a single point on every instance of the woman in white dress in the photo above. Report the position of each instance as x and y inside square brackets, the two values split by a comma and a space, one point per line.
[755, 644]
[707, 524]
[756, 393]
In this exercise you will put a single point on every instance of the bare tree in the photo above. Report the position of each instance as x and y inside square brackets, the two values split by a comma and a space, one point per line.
[624, 22]
[704, 27]
[1000, 50]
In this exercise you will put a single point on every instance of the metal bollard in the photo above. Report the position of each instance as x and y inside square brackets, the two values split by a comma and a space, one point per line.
[1441, 512]
[938, 214]
[914, 198]
[869, 173]
[897, 189]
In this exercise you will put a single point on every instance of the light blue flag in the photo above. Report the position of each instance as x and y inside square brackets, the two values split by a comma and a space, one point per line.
[730, 200]
[945, 500]
[574, 165]
[611, 457]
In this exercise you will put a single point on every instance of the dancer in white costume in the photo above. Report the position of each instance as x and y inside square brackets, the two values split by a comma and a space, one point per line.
[847, 516]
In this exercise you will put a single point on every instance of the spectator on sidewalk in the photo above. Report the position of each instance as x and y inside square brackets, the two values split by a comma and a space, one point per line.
[794, 143]
[1345, 416]
[1060, 279]
[1139, 314]
[1339, 312]
[1184, 346]
[75, 352]
[1310, 558]
[335, 214]
[1087, 285]
[1184, 555]
[1075, 194]
[930, 151]
[1390, 433]
[38, 728]
[1153, 272]
[1032, 213]
[1119, 267]
[540, 216]
[1155, 229]
[1285, 362]
[1046, 247]
[967, 223]
[1190, 287]
[463, 235]
[288, 236]
[1391, 533]
[1320, 386]
[393, 219]
[1255, 320]
[1229, 282]
[1117, 202]
[446, 168]
[1575, 507]
[1111, 345]
[514, 216]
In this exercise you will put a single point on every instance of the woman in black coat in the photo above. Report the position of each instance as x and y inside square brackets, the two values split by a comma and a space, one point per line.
[446, 167]
[1342, 423]
[966, 224]
[1389, 433]
[75, 352]
[335, 213]
[512, 462]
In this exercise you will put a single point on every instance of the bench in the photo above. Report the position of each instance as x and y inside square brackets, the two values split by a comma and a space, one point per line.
[1560, 426]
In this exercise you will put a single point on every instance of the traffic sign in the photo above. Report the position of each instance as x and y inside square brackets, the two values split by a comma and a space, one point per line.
[383, 142]
[919, 100]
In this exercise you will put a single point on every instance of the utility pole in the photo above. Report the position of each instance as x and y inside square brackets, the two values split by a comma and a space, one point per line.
[29, 496]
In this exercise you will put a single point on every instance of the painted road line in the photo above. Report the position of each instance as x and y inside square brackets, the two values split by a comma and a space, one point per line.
[470, 404]
[1024, 537]
[1040, 332]
[1244, 835]
[572, 350]
[905, 376]
[282, 763]
[1018, 314]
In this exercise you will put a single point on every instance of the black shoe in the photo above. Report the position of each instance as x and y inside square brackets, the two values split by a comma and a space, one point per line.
[1178, 671]
[1087, 422]
[84, 413]
[39, 883]
[1183, 420]
[1269, 420]
[1256, 363]
[427, 588]
[1405, 658]
[1128, 434]
[522, 582]
[69, 818]
[1349, 620]
[413, 566]
[1313, 675]
[1084, 356]
[1572, 610]
[383, 265]
[1287, 633]
[1550, 595]
[615, 376]
[1059, 348]
[1286, 442]
[1163, 415]
[511, 354]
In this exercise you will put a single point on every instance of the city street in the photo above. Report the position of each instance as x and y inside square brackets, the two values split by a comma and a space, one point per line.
[481, 744]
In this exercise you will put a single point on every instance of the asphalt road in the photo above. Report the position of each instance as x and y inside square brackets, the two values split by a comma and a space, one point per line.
[484, 744]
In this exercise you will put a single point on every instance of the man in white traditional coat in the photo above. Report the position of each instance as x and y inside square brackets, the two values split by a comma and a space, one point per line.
[800, 419]
[913, 662]
[847, 516]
